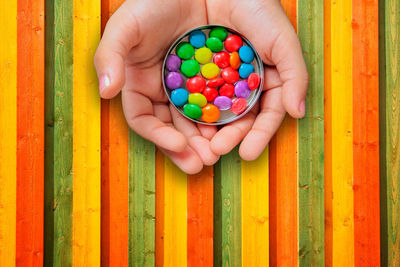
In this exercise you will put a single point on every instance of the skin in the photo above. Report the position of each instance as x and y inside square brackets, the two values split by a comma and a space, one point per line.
[129, 59]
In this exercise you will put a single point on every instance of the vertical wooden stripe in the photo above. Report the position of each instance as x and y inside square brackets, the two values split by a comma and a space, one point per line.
[227, 211]
[30, 134]
[58, 133]
[114, 172]
[200, 218]
[255, 236]
[159, 246]
[341, 127]
[175, 220]
[311, 138]
[141, 201]
[8, 134]
[366, 133]
[86, 132]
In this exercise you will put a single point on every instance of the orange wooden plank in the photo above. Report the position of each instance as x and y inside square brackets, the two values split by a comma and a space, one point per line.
[159, 260]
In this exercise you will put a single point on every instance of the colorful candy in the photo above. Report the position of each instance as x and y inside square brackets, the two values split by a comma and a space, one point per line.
[245, 70]
[210, 113]
[233, 43]
[210, 70]
[196, 84]
[230, 75]
[179, 97]
[210, 93]
[192, 111]
[219, 32]
[190, 68]
[223, 102]
[214, 44]
[197, 39]
[185, 50]
[235, 60]
[238, 105]
[197, 99]
[227, 90]
[222, 59]
[173, 80]
[173, 63]
[246, 54]
[203, 55]
[216, 82]
[242, 89]
[253, 81]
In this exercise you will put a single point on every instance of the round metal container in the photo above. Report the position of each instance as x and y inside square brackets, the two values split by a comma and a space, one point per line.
[226, 116]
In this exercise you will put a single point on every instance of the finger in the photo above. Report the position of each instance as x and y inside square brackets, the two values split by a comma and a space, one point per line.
[187, 160]
[266, 124]
[208, 131]
[271, 79]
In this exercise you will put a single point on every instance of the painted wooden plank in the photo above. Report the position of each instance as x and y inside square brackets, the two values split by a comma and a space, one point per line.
[159, 246]
[8, 138]
[311, 138]
[58, 133]
[255, 225]
[141, 248]
[366, 133]
[30, 133]
[114, 172]
[86, 133]
[200, 218]
[227, 211]
[175, 219]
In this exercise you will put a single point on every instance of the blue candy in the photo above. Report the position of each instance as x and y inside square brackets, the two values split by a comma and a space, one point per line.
[179, 97]
[197, 39]
[245, 70]
[246, 54]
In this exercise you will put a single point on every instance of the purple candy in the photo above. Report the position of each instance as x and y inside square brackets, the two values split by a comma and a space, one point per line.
[173, 80]
[223, 102]
[173, 63]
[242, 89]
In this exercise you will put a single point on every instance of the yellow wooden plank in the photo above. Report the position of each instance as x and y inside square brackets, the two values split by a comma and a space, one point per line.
[8, 132]
[342, 135]
[86, 132]
[255, 213]
[175, 222]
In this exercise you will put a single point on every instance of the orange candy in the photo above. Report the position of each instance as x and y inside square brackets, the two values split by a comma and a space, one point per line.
[210, 113]
[235, 60]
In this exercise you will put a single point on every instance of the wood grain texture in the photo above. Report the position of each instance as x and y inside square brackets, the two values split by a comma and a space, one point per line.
[311, 138]
[366, 133]
[8, 137]
[200, 218]
[227, 211]
[86, 133]
[58, 133]
[141, 247]
[255, 225]
[159, 246]
[30, 133]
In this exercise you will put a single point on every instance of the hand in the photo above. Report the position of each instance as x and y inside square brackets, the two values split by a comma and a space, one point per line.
[129, 58]
[267, 27]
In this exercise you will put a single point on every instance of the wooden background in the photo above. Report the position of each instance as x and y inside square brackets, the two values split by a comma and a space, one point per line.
[77, 188]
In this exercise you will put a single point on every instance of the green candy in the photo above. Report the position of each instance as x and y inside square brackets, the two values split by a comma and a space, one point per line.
[219, 32]
[190, 68]
[214, 44]
[185, 50]
[197, 99]
[192, 111]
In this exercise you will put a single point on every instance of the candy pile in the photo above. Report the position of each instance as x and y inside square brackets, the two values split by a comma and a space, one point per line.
[227, 75]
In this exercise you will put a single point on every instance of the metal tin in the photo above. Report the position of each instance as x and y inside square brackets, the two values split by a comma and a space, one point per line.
[226, 116]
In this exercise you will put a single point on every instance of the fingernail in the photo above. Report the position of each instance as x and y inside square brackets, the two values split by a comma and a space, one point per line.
[302, 108]
[104, 82]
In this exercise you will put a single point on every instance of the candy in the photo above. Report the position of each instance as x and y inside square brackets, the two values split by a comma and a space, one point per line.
[233, 43]
[230, 75]
[196, 84]
[197, 39]
[210, 113]
[238, 105]
[222, 59]
[223, 102]
[173, 80]
[227, 90]
[210, 70]
[210, 93]
[215, 82]
[197, 99]
[190, 68]
[253, 81]
[245, 70]
[219, 32]
[185, 50]
[173, 63]
[192, 111]
[242, 89]
[246, 54]
[179, 97]
[203, 55]
[235, 60]
[214, 44]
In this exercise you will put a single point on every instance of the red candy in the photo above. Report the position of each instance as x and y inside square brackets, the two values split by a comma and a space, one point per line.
[210, 93]
[196, 84]
[253, 81]
[233, 43]
[222, 59]
[227, 90]
[216, 82]
[238, 105]
[230, 75]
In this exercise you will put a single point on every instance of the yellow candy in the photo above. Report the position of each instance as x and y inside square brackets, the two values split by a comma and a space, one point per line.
[210, 71]
[203, 55]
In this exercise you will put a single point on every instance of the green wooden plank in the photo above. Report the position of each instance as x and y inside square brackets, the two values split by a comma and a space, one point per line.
[311, 137]
[141, 201]
[58, 134]
[227, 211]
